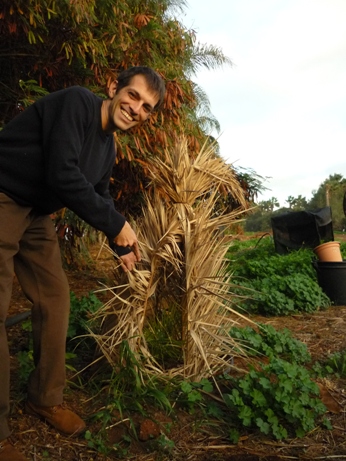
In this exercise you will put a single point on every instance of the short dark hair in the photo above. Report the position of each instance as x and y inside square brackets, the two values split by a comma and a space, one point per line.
[153, 79]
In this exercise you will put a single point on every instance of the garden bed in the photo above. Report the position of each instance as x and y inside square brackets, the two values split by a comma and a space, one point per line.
[190, 437]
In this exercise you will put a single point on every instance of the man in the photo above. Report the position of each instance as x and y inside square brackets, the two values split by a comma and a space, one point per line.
[59, 153]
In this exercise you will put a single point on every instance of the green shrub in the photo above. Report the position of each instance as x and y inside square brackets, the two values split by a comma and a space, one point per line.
[275, 284]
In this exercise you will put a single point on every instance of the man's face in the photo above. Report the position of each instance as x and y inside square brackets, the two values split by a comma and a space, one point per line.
[129, 106]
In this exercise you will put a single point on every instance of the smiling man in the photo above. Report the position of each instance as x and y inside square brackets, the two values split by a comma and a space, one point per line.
[60, 153]
[127, 106]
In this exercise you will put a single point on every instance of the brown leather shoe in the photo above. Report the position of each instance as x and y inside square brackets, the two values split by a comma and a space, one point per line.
[58, 416]
[9, 453]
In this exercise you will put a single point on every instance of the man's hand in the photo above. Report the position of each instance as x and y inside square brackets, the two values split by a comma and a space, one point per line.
[128, 238]
[128, 261]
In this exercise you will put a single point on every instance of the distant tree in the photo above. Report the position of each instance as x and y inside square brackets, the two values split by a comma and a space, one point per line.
[331, 193]
[290, 200]
[251, 182]
[269, 205]
[299, 203]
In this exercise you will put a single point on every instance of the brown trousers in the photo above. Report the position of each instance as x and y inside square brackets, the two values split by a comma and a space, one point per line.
[29, 248]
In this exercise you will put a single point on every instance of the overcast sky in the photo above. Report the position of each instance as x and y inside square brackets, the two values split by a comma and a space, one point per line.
[282, 105]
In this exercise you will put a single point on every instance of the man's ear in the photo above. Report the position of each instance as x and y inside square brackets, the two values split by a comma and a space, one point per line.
[111, 88]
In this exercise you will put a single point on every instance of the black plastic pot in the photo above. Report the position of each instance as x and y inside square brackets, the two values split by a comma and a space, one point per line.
[331, 278]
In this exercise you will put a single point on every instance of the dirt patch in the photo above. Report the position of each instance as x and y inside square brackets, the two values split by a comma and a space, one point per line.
[322, 332]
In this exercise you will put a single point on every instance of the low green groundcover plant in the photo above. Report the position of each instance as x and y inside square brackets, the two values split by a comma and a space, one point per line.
[277, 397]
[335, 364]
[274, 284]
[272, 343]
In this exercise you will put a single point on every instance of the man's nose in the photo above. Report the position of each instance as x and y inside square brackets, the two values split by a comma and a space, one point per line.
[136, 107]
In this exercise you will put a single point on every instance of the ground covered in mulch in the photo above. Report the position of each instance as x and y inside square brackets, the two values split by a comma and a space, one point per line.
[323, 332]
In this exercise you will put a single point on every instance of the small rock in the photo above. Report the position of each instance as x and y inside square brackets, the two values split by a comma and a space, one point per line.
[148, 430]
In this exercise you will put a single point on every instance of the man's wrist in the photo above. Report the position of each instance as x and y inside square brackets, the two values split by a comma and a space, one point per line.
[120, 250]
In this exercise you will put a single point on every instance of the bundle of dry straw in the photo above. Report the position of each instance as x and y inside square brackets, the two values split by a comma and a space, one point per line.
[182, 280]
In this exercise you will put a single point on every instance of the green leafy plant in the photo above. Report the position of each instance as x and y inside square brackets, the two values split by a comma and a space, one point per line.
[31, 91]
[163, 444]
[127, 386]
[25, 365]
[97, 442]
[275, 284]
[271, 342]
[191, 395]
[279, 399]
[81, 315]
[335, 364]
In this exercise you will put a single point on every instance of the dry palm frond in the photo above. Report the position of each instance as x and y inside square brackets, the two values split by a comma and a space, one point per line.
[182, 287]
[184, 180]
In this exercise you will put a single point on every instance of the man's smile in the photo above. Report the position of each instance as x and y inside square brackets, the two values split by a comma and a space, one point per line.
[127, 115]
